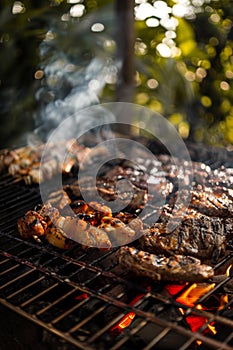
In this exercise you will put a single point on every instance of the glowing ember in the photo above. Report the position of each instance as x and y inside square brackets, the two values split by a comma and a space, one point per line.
[228, 270]
[189, 298]
[82, 296]
[126, 320]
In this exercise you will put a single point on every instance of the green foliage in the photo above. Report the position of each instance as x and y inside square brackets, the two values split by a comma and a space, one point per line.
[194, 79]
[184, 61]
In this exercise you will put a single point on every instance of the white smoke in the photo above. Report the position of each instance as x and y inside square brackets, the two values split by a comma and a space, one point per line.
[76, 71]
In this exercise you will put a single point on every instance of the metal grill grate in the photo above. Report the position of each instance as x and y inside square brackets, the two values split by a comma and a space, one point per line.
[82, 295]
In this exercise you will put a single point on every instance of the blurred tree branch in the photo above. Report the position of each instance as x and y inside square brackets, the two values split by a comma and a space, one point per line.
[125, 45]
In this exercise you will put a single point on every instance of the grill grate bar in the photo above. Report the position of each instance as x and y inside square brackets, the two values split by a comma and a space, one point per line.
[16, 279]
[40, 312]
[117, 303]
[69, 311]
[47, 326]
[79, 263]
[8, 270]
[9, 196]
[230, 336]
[158, 338]
[19, 194]
[106, 328]
[87, 319]
[211, 317]
[187, 344]
[225, 307]
[7, 179]
[80, 284]
[127, 336]
[4, 261]
[16, 209]
[223, 261]
[25, 287]
[218, 286]
[38, 295]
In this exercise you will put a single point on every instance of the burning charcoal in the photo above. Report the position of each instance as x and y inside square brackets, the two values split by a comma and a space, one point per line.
[157, 267]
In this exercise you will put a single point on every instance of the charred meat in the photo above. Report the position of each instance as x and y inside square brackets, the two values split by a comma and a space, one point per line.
[216, 201]
[159, 267]
[92, 226]
[197, 235]
[25, 163]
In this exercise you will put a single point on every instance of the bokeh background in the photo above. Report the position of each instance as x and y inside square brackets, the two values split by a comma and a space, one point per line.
[60, 56]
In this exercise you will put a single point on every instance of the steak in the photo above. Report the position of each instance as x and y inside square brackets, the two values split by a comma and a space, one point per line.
[213, 202]
[197, 235]
[143, 183]
[157, 267]
[216, 201]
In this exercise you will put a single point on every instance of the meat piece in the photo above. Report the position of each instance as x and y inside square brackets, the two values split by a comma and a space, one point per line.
[59, 199]
[32, 224]
[216, 201]
[118, 232]
[221, 177]
[212, 202]
[82, 232]
[112, 189]
[108, 191]
[25, 163]
[157, 267]
[57, 238]
[197, 235]
[185, 172]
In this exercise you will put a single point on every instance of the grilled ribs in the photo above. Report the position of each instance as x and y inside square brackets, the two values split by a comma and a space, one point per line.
[159, 267]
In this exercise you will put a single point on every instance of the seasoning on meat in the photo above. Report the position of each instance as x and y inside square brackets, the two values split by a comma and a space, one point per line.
[159, 267]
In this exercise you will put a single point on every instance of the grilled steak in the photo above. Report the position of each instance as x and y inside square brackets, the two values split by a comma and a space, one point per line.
[197, 235]
[216, 201]
[143, 185]
[157, 267]
[212, 202]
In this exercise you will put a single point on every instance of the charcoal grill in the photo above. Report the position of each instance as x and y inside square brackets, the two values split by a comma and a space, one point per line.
[78, 298]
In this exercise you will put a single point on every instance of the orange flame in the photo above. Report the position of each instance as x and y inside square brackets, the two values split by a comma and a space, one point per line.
[189, 298]
[193, 293]
[126, 320]
[228, 270]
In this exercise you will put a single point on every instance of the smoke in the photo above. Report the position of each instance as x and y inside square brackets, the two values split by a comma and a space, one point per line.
[76, 64]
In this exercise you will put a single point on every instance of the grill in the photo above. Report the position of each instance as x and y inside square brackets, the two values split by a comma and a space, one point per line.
[81, 299]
